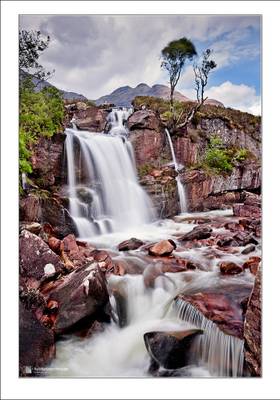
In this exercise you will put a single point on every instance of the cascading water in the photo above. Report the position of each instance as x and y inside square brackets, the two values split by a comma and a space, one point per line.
[180, 186]
[223, 354]
[104, 194]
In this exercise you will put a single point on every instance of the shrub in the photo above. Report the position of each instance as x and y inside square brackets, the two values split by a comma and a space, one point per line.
[40, 114]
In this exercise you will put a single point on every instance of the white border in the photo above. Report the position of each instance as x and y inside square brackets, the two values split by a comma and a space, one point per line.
[14, 388]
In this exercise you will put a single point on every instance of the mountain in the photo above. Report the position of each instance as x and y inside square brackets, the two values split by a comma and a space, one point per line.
[123, 96]
[39, 85]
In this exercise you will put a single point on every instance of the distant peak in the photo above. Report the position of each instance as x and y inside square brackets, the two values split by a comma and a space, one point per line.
[142, 85]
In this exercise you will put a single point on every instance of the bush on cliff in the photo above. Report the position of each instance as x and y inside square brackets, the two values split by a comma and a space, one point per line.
[40, 114]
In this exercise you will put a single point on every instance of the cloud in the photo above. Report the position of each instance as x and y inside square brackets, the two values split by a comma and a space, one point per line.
[242, 97]
[95, 54]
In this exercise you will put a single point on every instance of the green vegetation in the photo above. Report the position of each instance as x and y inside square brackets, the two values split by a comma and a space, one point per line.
[221, 159]
[145, 169]
[40, 114]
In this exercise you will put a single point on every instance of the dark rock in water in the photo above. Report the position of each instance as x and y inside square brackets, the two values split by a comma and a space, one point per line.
[171, 350]
[162, 248]
[198, 233]
[253, 330]
[230, 268]
[36, 260]
[80, 294]
[36, 343]
[249, 249]
[131, 244]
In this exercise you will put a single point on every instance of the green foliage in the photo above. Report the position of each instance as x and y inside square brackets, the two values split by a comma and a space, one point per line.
[222, 159]
[40, 114]
[145, 169]
[241, 155]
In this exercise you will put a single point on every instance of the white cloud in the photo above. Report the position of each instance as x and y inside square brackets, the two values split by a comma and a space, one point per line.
[241, 97]
[94, 55]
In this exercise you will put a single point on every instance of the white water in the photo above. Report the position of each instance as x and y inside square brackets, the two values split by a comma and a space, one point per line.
[105, 197]
[180, 186]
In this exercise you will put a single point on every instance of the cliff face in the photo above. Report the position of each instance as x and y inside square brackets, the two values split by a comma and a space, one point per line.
[204, 190]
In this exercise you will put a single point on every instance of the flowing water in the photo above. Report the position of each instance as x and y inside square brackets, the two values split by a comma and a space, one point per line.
[180, 186]
[108, 206]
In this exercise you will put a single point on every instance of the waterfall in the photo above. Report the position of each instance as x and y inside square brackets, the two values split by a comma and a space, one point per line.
[223, 354]
[104, 193]
[180, 186]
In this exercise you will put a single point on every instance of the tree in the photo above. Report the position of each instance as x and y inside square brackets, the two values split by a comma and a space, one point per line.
[201, 70]
[174, 57]
[31, 45]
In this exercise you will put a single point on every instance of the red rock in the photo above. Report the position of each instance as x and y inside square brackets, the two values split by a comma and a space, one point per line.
[103, 259]
[230, 268]
[119, 268]
[79, 295]
[245, 210]
[253, 264]
[156, 173]
[162, 248]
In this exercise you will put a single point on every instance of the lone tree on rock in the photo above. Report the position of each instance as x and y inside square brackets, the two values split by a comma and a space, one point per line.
[174, 57]
[201, 70]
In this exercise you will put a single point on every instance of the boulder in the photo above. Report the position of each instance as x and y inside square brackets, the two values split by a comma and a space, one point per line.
[253, 329]
[91, 119]
[162, 248]
[36, 343]
[103, 259]
[246, 210]
[143, 119]
[230, 268]
[170, 350]
[36, 260]
[79, 295]
[198, 233]
[131, 244]
[248, 249]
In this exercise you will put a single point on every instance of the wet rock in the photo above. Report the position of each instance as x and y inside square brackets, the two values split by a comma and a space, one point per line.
[143, 119]
[230, 268]
[170, 350]
[162, 248]
[253, 329]
[79, 295]
[199, 232]
[253, 264]
[47, 160]
[92, 119]
[37, 260]
[249, 249]
[103, 259]
[131, 244]
[36, 342]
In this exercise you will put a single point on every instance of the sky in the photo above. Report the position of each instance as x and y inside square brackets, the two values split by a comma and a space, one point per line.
[95, 54]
